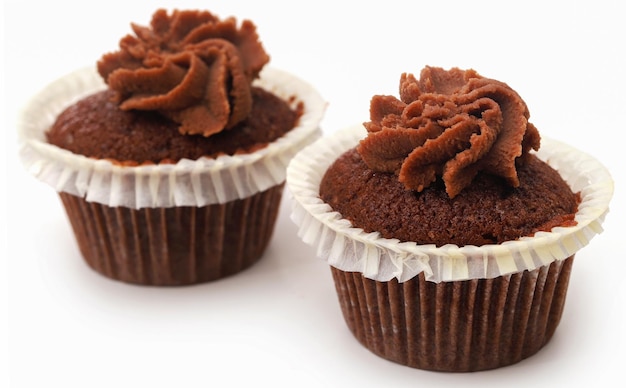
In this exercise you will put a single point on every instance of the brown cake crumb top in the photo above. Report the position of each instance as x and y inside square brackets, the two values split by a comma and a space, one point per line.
[97, 128]
[489, 211]
[190, 66]
[449, 124]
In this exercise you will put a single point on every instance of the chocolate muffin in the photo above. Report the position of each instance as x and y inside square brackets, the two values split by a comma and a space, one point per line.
[169, 156]
[449, 224]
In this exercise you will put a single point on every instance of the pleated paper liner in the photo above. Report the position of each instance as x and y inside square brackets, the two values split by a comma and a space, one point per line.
[448, 308]
[457, 326]
[183, 223]
[176, 245]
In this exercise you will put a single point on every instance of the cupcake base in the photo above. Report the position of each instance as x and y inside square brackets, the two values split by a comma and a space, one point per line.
[176, 245]
[459, 326]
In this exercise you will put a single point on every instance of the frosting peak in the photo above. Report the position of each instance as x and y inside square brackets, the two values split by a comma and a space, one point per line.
[450, 124]
[190, 66]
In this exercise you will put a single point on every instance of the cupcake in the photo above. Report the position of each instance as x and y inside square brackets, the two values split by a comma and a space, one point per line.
[169, 156]
[450, 225]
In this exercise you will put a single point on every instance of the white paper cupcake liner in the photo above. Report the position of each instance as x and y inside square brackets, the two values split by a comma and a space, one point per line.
[351, 249]
[187, 183]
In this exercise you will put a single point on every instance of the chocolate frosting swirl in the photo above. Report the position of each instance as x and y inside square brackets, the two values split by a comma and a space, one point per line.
[190, 66]
[450, 124]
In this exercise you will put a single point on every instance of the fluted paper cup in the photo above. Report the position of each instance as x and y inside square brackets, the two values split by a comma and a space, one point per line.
[448, 308]
[167, 224]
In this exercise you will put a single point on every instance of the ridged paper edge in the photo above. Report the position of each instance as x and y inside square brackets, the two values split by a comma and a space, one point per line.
[187, 183]
[351, 249]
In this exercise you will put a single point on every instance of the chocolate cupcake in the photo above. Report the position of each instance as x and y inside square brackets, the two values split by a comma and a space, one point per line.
[449, 224]
[170, 158]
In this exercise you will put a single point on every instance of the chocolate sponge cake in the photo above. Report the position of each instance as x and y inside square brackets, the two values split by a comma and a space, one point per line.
[96, 127]
[487, 212]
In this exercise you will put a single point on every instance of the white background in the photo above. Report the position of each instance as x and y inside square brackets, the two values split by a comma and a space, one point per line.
[279, 322]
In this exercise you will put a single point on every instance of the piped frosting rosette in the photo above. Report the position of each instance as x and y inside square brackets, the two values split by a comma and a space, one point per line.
[351, 249]
[190, 66]
[186, 183]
